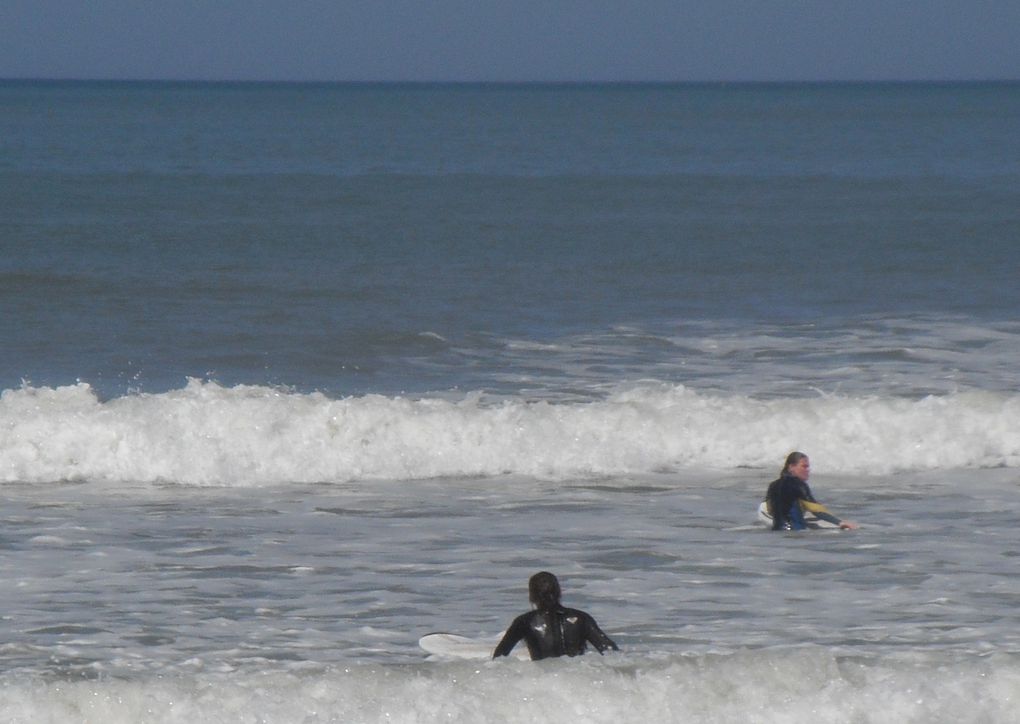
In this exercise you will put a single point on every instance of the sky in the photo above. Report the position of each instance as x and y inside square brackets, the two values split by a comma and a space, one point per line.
[511, 40]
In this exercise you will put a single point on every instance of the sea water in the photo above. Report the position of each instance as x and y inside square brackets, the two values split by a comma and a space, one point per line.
[293, 375]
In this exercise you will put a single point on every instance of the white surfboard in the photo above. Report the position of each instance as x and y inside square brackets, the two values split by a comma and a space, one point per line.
[452, 646]
[812, 522]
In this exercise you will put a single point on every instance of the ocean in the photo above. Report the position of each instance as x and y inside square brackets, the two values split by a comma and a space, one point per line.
[294, 374]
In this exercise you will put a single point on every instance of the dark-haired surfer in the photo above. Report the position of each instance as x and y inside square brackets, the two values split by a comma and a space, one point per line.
[552, 630]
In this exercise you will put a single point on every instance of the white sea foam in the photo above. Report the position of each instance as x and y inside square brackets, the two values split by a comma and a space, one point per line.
[207, 434]
[810, 685]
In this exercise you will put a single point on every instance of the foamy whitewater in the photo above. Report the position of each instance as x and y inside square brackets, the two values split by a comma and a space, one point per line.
[205, 434]
[294, 375]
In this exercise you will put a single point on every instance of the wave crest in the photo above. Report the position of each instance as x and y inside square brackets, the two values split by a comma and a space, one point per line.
[246, 436]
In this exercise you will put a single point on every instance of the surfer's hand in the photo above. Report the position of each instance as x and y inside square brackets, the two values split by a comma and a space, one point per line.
[848, 525]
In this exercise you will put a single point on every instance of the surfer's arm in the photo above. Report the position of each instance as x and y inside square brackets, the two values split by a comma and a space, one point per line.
[513, 634]
[822, 513]
[597, 637]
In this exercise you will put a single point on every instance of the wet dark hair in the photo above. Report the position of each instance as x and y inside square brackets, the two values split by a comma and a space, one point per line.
[544, 590]
[791, 459]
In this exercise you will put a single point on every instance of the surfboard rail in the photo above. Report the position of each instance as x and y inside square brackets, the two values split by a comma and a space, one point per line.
[454, 646]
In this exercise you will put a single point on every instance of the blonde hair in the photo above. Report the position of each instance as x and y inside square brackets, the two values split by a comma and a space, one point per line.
[791, 459]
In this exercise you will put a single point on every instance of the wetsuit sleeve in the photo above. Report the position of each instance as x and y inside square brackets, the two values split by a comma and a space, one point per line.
[820, 511]
[808, 503]
[513, 634]
[597, 637]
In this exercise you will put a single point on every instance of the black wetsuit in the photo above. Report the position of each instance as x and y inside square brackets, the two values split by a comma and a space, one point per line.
[787, 498]
[557, 632]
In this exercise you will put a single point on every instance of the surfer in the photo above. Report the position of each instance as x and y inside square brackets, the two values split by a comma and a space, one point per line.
[550, 629]
[789, 496]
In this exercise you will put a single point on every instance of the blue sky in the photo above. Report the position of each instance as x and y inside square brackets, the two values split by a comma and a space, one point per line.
[508, 40]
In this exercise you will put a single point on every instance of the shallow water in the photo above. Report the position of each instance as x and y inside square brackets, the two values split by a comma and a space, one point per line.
[305, 604]
[672, 565]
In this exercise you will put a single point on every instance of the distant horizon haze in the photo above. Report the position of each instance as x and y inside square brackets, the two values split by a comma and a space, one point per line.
[596, 41]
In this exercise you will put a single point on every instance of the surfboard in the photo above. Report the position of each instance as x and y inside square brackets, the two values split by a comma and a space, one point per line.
[452, 646]
[813, 523]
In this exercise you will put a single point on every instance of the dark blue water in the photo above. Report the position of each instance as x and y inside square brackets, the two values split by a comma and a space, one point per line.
[393, 238]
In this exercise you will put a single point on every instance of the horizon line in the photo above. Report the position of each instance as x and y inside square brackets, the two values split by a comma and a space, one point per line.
[551, 82]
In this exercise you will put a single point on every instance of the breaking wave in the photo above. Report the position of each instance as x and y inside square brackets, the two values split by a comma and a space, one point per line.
[248, 436]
